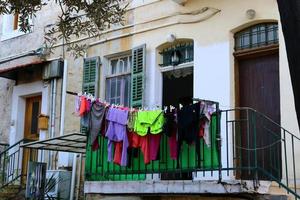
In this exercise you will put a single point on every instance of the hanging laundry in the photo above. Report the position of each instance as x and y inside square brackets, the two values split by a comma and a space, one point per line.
[84, 111]
[131, 120]
[118, 153]
[206, 111]
[170, 129]
[149, 122]
[77, 105]
[173, 146]
[96, 119]
[154, 141]
[188, 128]
[83, 106]
[140, 142]
[116, 132]
[104, 122]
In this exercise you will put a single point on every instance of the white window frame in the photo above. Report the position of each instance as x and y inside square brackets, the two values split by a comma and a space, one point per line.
[8, 31]
[110, 75]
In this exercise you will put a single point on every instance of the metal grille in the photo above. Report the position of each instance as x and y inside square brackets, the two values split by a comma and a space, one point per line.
[257, 36]
[185, 51]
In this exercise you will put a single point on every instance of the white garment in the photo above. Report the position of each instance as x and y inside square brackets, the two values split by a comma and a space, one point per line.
[206, 109]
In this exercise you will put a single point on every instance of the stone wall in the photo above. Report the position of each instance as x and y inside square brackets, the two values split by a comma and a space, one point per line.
[6, 88]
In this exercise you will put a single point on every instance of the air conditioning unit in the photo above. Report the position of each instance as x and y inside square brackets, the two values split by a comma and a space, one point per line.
[53, 70]
[58, 183]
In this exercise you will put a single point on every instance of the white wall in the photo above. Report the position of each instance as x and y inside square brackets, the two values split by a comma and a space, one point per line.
[20, 92]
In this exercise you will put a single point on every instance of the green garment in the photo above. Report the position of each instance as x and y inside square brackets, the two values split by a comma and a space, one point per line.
[149, 120]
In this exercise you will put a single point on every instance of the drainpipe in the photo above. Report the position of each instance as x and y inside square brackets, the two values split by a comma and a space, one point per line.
[62, 126]
[50, 121]
[73, 177]
[63, 100]
[52, 117]
[79, 177]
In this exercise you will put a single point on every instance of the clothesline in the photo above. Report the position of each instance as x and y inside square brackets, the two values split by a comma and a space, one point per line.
[142, 128]
[144, 108]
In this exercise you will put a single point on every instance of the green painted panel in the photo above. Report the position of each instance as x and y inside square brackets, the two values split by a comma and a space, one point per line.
[98, 169]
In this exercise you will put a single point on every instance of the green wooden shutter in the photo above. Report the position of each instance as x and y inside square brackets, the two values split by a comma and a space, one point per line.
[90, 76]
[90, 79]
[138, 76]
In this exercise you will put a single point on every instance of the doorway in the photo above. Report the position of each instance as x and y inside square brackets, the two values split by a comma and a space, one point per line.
[257, 86]
[259, 90]
[178, 89]
[31, 130]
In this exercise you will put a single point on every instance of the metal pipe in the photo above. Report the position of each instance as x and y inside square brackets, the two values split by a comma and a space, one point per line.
[50, 120]
[73, 176]
[79, 175]
[53, 113]
[63, 101]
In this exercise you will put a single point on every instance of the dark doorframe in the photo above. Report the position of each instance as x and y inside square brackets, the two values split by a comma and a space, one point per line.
[257, 86]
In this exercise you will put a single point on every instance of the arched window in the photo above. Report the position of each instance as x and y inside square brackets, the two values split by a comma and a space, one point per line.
[257, 36]
[178, 53]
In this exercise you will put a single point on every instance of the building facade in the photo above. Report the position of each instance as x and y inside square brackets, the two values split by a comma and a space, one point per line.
[231, 52]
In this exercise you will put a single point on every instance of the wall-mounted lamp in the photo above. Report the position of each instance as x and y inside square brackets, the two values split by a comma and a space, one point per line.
[171, 38]
[250, 13]
[175, 58]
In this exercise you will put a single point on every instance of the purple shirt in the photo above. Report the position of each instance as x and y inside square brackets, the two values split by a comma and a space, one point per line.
[116, 132]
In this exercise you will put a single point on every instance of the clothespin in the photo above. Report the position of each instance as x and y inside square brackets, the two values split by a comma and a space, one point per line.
[165, 109]
[79, 94]
[180, 106]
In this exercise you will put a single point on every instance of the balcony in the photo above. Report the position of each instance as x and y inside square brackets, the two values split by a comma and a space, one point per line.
[248, 153]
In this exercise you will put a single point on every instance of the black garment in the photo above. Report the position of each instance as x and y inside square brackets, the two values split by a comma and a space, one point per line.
[188, 128]
[170, 125]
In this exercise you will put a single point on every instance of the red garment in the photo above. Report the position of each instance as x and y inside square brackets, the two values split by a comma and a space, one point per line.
[173, 146]
[95, 145]
[154, 146]
[133, 139]
[83, 106]
[118, 152]
[145, 147]
[201, 130]
[143, 142]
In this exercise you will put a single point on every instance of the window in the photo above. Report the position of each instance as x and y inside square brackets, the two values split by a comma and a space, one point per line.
[183, 52]
[10, 27]
[118, 81]
[125, 79]
[257, 36]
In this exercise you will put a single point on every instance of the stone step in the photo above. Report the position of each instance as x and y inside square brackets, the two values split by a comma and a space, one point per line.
[276, 190]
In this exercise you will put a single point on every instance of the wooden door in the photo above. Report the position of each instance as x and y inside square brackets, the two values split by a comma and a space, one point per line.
[31, 131]
[259, 89]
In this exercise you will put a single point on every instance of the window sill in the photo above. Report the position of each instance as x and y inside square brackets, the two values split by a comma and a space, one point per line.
[180, 66]
[12, 35]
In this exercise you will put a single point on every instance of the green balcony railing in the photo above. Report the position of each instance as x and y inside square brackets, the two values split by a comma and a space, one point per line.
[99, 169]
[248, 146]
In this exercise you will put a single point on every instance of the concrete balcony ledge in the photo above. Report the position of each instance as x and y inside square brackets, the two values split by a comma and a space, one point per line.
[174, 187]
[181, 2]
